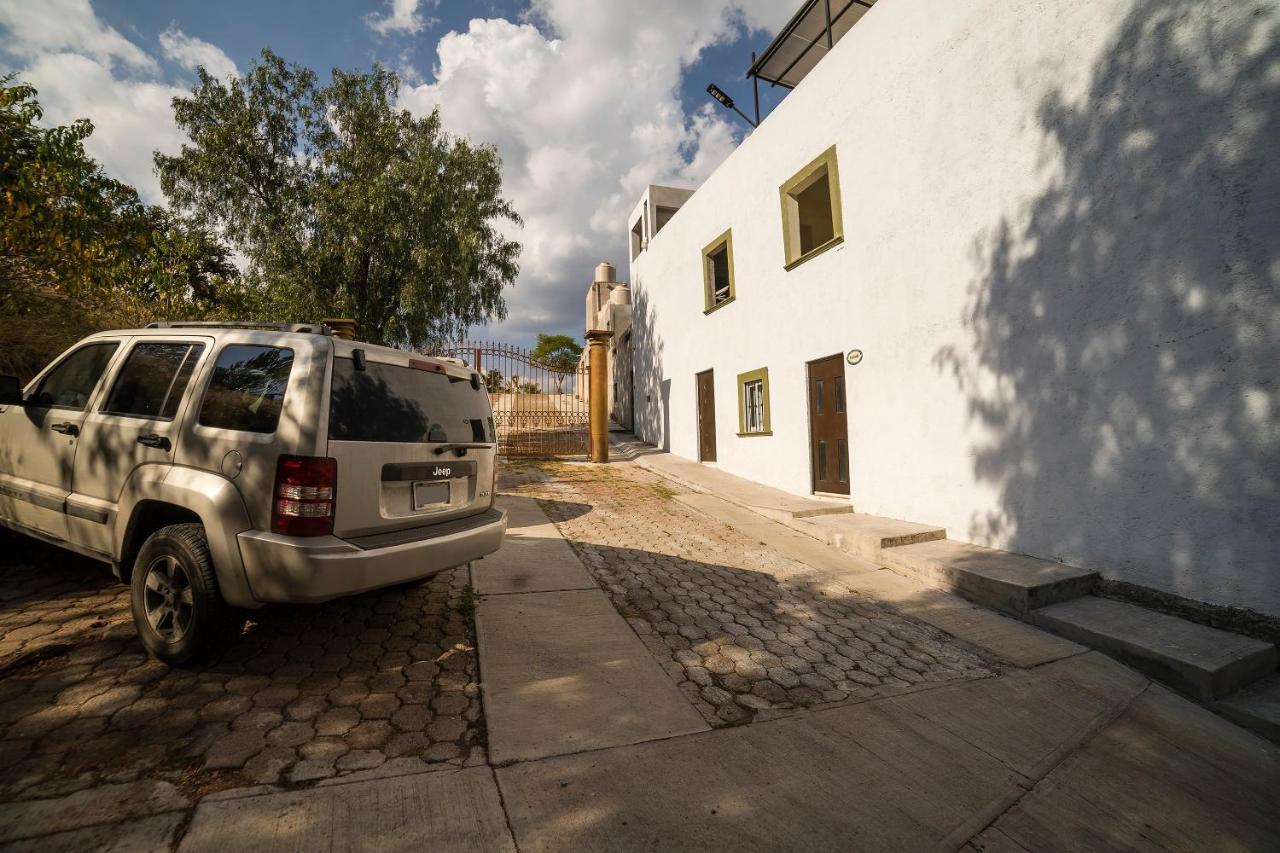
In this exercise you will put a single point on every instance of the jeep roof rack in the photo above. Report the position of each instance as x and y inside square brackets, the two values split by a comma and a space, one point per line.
[303, 328]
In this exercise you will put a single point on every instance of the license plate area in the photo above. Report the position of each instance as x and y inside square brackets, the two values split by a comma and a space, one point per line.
[430, 494]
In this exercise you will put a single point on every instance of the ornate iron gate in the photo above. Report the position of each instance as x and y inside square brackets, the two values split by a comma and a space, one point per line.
[539, 409]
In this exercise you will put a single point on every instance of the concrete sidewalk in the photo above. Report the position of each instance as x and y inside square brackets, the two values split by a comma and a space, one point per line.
[561, 671]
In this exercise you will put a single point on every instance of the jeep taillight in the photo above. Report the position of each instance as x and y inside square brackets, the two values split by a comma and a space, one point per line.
[302, 503]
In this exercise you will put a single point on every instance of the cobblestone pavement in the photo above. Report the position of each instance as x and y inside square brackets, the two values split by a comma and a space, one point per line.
[717, 608]
[307, 693]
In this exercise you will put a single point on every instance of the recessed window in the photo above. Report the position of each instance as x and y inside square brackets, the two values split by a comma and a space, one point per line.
[661, 216]
[717, 272]
[753, 403]
[811, 221]
[637, 238]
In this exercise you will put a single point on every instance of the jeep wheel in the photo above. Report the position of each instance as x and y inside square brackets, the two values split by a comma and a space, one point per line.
[177, 608]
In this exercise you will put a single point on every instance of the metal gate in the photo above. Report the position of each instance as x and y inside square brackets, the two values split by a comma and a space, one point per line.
[539, 409]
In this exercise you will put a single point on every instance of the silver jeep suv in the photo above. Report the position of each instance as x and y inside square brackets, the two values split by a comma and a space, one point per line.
[219, 467]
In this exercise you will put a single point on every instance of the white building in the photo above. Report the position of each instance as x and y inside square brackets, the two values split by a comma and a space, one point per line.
[1051, 230]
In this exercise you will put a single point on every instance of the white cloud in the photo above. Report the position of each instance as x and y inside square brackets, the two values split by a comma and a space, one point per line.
[131, 119]
[83, 68]
[45, 26]
[582, 102]
[404, 17]
[191, 52]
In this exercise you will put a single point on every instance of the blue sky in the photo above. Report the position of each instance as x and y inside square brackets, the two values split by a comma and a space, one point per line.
[586, 100]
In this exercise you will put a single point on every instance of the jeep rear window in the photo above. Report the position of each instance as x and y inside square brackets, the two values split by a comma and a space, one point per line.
[388, 403]
[247, 389]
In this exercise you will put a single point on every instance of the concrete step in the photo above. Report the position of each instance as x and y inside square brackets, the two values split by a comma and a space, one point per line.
[867, 535]
[1200, 661]
[1256, 708]
[1012, 583]
[699, 477]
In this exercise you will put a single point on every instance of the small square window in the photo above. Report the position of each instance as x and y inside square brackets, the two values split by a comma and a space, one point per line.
[717, 272]
[811, 218]
[753, 403]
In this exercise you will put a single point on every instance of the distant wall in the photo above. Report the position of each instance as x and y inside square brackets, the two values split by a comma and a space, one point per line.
[1061, 260]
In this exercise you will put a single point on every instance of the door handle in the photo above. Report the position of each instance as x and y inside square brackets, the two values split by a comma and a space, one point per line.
[154, 440]
[67, 428]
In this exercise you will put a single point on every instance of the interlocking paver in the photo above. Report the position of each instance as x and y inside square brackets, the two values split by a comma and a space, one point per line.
[730, 619]
[305, 694]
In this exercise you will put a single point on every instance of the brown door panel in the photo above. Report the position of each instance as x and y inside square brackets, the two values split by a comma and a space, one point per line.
[828, 426]
[706, 416]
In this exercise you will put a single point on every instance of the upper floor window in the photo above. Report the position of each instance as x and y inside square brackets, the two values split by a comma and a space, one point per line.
[717, 272]
[637, 238]
[811, 220]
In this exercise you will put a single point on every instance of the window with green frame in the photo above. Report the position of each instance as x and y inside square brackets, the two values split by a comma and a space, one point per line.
[717, 272]
[753, 403]
[811, 218]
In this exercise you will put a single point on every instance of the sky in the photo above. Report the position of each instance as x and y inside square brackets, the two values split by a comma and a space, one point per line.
[587, 101]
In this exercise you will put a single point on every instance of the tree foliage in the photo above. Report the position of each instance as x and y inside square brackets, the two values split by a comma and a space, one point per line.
[343, 204]
[558, 352]
[80, 250]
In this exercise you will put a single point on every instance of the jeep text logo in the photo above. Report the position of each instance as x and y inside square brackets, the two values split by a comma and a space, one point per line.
[442, 472]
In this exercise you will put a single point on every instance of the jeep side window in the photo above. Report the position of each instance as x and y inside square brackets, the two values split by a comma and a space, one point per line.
[247, 389]
[153, 380]
[71, 383]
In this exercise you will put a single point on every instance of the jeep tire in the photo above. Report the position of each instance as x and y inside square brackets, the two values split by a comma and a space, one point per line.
[177, 607]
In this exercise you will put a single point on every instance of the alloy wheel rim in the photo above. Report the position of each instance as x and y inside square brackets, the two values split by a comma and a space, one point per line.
[167, 598]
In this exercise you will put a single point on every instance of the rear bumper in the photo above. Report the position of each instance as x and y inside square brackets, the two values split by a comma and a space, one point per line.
[290, 569]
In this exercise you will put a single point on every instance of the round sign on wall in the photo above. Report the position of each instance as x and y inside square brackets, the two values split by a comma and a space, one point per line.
[854, 356]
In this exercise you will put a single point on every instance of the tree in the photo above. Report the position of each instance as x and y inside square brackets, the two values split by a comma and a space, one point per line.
[343, 204]
[558, 352]
[494, 381]
[80, 251]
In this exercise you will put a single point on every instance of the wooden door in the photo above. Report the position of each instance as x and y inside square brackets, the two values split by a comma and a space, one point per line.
[706, 416]
[828, 426]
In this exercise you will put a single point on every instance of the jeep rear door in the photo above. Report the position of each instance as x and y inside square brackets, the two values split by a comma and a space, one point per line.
[414, 443]
[132, 425]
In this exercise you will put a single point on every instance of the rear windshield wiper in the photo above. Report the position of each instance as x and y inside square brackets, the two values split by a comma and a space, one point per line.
[445, 448]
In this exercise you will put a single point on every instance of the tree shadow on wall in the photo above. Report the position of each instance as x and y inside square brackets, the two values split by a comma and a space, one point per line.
[1125, 328]
[651, 390]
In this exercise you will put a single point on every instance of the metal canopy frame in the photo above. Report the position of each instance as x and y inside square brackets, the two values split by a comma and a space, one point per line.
[785, 34]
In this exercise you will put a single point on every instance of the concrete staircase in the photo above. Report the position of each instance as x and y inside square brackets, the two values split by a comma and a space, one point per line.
[1200, 661]
[1210, 665]
[1216, 667]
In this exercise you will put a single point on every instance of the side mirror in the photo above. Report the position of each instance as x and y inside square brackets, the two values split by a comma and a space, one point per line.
[10, 391]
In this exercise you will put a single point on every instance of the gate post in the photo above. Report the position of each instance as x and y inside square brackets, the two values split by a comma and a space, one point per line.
[598, 396]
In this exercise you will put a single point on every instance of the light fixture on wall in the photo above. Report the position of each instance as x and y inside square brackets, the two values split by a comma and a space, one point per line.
[723, 97]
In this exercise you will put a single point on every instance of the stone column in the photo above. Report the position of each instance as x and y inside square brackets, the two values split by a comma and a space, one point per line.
[598, 405]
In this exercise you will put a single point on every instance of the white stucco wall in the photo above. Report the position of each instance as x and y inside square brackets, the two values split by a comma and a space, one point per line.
[1061, 259]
